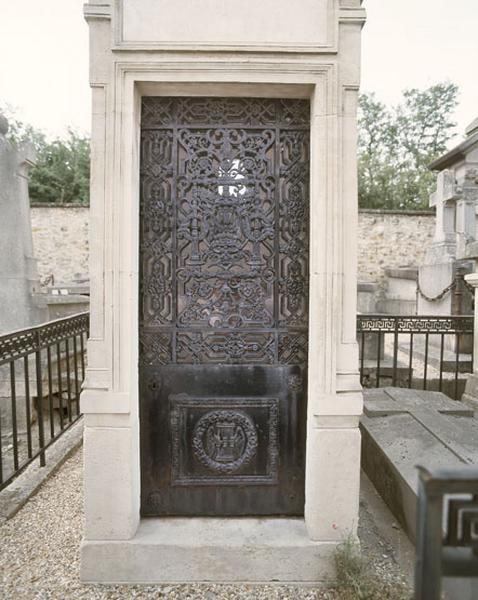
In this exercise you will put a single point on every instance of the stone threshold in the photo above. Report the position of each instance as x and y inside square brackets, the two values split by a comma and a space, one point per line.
[219, 550]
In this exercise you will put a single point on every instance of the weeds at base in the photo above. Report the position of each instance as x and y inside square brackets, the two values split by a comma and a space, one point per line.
[355, 580]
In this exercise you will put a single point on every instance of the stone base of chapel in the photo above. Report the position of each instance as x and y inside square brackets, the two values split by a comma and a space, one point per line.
[188, 550]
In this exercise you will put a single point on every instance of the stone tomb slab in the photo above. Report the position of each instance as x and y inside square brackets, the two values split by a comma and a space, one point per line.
[402, 428]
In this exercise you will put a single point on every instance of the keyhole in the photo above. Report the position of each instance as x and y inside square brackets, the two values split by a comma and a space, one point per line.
[153, 385]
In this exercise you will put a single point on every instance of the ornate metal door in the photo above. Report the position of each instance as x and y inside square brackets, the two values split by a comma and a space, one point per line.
[223, 305]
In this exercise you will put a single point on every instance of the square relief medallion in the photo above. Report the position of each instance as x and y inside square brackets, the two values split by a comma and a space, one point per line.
[226, 441]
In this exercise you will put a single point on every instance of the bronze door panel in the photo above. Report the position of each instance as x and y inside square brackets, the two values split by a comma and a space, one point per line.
[223, 305]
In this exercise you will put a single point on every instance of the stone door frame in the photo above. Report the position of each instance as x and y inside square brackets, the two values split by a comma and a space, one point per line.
[110, 397]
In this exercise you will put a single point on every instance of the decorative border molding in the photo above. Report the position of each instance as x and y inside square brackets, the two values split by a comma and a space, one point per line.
[406, 213]
[412, 324]
[317, 80]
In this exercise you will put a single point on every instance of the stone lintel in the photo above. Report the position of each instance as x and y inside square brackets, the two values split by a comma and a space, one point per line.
[367, 286]
[409, 272]
[471, 251]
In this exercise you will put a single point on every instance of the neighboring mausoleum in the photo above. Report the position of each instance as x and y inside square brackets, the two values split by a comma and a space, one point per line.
[19, 280]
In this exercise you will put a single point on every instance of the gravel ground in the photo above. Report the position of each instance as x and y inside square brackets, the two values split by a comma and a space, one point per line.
[39, 555]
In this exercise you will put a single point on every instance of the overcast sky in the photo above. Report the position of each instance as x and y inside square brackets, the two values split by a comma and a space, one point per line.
[406, 43]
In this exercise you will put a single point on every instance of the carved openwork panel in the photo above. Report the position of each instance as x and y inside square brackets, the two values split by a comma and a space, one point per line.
[224, 236]
[225, 348]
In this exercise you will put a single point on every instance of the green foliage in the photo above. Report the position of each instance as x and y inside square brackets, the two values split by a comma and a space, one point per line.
[397, 144]
[62, 171]
[356, 580]
[395, 147]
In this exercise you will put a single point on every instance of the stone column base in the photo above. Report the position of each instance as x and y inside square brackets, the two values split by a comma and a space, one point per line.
[470, 396]
[180, 550]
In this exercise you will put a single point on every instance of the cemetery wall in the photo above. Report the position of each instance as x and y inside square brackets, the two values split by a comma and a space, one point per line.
[391, 239]
[60, 241]
[386, 239]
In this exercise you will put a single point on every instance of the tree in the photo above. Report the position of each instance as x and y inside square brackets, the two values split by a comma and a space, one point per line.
[397, 144]
[20, 132]
[62, 170]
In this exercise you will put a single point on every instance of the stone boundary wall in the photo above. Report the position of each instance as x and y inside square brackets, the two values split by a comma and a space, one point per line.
[392, 239]
[386, 239]
[60, 240]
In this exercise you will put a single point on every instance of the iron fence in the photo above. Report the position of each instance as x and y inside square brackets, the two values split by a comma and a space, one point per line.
[447, 528]
[41, 371]
[421, 352]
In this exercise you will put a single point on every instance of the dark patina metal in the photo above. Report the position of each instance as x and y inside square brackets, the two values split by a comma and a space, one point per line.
[415, 335]
[223, 305]
[447, 528]
[42, 365]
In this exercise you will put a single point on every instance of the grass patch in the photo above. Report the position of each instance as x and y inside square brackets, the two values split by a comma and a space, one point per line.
[357, 581]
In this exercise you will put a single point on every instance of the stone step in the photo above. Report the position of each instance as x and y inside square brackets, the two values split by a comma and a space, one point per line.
[434, 353]
[386, 368]
[398, 306]
[217, 550]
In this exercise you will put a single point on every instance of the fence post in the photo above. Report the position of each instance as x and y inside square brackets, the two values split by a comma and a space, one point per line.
[395, 352]
[41, 429]
[428, 567]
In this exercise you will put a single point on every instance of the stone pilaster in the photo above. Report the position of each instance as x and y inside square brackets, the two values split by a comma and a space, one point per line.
[470, 395]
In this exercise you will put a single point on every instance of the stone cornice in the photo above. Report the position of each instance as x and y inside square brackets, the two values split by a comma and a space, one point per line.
[455, 154]
[97, 10]
[104, 11]
[353, 15]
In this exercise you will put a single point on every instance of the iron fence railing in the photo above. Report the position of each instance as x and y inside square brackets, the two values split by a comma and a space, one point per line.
[447, 528]
[421, 352]
[41, 371]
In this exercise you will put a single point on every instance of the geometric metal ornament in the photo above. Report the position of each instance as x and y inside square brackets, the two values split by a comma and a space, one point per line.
[223, 299]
